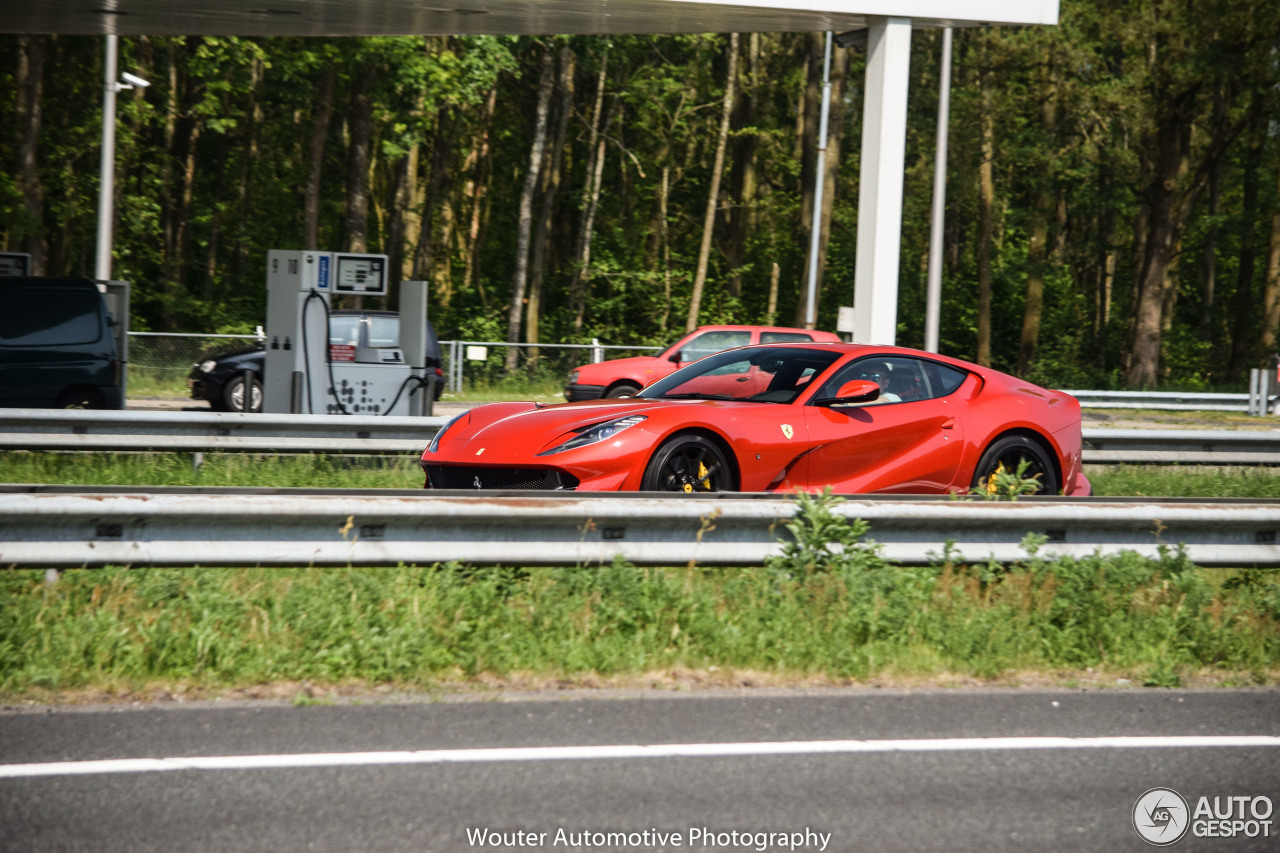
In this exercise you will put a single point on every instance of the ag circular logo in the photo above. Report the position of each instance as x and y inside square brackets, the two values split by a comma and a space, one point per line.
[1161, 816]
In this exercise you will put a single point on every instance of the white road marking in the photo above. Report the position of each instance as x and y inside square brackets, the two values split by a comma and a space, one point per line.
[620, 751]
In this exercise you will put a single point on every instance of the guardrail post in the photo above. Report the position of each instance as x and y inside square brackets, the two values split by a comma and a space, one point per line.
[1254, 381]
[246, 378]
[597, 354]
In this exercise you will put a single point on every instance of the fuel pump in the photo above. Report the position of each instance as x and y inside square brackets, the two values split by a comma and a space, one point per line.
[313, 366]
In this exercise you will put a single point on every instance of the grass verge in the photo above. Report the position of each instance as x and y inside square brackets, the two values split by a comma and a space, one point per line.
[852, 619]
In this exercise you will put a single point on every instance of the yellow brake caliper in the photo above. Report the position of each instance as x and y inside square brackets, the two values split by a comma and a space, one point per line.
[702, 478]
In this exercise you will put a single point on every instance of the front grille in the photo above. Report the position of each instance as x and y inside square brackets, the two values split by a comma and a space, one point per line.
[474, 477]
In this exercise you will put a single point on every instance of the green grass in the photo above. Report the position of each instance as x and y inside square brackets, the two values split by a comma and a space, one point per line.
[1189, 481]
[217, 469]
[158, 382]
[121, 631]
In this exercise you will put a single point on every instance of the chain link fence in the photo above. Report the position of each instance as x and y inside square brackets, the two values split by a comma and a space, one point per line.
[160, 361]
[481, 365]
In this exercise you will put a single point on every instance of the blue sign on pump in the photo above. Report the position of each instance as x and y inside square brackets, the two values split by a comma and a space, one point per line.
[322, 274]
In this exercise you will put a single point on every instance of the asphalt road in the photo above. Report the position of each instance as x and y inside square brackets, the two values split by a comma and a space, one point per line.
[943, 796]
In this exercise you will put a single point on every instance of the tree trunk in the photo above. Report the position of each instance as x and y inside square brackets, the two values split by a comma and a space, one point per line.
[1167, 212]
[477, 191]
[551, 190]
[986, 222]
[437, 188]
[742, 216]
[1038, 249]
[355, 224]
[578, 284]
[1246, 307]
[315, 157]
[184, 127]
[1271, 289]
[664, 237]
[713, 193]
[524, 220]
[29, 84]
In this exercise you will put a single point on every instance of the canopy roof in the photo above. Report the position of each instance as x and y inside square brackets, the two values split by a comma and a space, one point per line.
[471, 17]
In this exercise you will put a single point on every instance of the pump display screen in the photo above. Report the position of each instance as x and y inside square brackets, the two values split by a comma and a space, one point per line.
[360, 274]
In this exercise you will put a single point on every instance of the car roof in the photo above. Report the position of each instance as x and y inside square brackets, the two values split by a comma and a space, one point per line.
[748, 327]
[878, 349]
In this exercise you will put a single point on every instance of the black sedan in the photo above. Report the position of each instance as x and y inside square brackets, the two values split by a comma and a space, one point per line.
[219, 377]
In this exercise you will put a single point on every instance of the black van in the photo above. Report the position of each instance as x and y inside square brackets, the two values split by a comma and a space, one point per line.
[57, 346]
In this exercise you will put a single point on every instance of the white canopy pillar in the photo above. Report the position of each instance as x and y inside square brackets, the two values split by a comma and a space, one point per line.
[884, 133]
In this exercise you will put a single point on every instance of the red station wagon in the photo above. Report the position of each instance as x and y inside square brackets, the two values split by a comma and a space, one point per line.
[623, 377]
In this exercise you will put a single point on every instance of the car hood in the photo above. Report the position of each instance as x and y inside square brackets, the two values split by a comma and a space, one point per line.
[616, 366]
[511, 421]
[528, 428]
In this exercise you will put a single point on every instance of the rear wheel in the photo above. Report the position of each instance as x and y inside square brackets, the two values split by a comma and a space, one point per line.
[80, 398]
[623, 390]
[690, 464]
[233, 396]
[1009, 452]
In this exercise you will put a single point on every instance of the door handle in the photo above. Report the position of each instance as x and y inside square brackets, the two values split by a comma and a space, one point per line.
[947, 424]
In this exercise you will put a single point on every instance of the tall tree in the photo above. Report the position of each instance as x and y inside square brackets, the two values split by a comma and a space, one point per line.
[315, 156]
[550, 193]
[524, 221]
[355, 221]
[29, 85]
[986, 208]
[713, 191]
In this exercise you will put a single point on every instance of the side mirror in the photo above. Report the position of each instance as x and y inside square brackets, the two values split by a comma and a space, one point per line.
[675, 359]
[854, 391]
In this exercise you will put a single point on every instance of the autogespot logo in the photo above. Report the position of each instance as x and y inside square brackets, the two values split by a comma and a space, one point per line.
[1161, 816]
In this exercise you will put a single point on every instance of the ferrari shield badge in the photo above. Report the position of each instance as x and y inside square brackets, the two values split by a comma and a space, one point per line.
[788, 431]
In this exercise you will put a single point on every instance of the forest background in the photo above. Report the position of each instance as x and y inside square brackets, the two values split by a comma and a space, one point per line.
[1113, 183]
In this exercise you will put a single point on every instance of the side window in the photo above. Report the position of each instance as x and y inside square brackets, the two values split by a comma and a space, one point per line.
[53, 317]
[344, 329]
[712, 342]
[783, 337]
[943, 379]
[901, 380]
[384, 331]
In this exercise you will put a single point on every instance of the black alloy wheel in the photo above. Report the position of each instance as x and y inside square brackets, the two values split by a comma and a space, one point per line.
[689, 463]
[1009, 452]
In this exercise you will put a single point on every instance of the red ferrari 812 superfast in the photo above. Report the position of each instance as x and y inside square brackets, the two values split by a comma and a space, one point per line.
[777, 418]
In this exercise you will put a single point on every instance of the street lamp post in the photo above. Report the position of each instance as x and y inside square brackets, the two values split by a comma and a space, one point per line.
[933, 294]
[106, 182]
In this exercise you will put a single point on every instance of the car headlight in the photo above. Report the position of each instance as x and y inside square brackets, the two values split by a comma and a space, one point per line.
[597, 433]
[208, 365]
[573, 377]
[435, 441]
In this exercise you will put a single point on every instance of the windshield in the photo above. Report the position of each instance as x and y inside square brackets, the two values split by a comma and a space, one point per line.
[752, 374]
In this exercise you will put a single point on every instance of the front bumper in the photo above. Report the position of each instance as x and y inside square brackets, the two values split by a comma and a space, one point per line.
[574, 393]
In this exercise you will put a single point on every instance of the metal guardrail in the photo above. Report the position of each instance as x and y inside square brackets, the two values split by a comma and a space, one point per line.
[1181, 447]
[42, 529]
[205, 432]
[1170, 401]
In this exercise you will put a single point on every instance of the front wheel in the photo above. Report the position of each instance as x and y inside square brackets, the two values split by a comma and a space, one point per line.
[1008, 453]
[623, 390]
[233, 396]
[690, 464]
